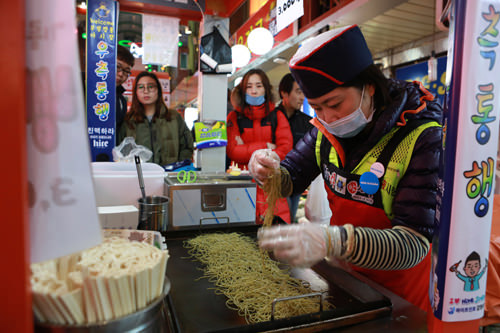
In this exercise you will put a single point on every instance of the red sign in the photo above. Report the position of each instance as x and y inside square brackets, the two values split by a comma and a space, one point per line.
[265, 17]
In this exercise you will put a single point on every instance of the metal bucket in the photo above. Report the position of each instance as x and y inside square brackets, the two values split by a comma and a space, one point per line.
[153, 213]
[151, 319]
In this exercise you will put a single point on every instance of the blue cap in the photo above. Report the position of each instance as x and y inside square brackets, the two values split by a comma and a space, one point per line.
[329, 60]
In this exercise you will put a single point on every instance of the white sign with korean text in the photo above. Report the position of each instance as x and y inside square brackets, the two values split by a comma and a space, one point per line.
[160, 37]
[288, 11]
[478, 124]
[63, 213]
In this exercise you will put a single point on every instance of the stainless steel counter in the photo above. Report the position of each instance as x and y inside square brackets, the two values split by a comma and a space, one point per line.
[210, 200]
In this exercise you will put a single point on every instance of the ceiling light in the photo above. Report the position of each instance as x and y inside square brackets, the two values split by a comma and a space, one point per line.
[240, 55]
[260, 41]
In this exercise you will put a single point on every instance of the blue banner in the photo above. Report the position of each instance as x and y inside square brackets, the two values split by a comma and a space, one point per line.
[101, 77]
[419, 72]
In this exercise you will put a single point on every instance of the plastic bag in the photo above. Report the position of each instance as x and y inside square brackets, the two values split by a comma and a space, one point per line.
[127, 149]
[317, 207]
[215, 54]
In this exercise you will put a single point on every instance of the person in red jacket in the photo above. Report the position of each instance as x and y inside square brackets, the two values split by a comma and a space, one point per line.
[255, 124]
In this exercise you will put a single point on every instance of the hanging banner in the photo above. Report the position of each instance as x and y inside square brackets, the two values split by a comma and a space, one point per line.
[465, 204]
[160, 35]
[62, 210]
[101, 77]
[288, 11]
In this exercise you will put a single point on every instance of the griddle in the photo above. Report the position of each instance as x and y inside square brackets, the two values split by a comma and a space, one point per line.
[193, 306]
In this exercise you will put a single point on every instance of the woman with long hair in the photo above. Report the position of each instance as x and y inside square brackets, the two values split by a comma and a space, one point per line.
[153, 125]
[255, 124]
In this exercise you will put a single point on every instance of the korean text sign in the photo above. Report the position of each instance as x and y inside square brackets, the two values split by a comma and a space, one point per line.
[101, 77]
[465, 206]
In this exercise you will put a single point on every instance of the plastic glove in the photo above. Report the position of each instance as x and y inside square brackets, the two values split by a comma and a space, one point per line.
[263, 164]
[301, 245]
[270, 145]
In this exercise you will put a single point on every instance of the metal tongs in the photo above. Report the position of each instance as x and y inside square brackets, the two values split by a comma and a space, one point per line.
[141, 178]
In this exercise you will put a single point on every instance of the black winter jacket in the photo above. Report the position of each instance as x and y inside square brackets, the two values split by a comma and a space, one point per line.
[121, 109]
[299, 123]
[415, 201]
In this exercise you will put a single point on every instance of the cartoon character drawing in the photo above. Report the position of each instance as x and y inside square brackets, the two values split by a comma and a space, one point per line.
[472, 275]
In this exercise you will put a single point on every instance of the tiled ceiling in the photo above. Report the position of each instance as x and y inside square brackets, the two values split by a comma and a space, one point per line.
[410, 21]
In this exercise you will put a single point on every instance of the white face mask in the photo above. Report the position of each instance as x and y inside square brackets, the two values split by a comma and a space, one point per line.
[350, 125]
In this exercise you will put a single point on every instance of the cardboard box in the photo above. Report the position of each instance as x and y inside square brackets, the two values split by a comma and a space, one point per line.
[118, 217]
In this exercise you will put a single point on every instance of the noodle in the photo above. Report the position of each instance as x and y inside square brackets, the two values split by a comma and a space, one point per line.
[273, 190]
[233, 263]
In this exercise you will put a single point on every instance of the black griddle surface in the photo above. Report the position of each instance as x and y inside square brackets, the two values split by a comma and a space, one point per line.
[195, 307]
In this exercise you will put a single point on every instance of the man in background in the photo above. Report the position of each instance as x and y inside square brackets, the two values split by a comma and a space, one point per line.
[124, 63]
[292, 98]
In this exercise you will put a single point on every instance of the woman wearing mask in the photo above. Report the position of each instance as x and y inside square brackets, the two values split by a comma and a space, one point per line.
[152, 125]
[376, 143]
[253, 125]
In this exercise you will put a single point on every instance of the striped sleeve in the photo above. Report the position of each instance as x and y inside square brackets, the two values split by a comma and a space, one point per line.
[388, 249]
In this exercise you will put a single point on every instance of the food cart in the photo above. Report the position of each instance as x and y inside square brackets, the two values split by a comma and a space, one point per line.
[369, 306]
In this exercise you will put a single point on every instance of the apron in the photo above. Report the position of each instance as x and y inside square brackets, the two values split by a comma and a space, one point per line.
[412, 284]
[351, 205]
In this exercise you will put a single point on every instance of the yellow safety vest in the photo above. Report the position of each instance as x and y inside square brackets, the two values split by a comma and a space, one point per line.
[395, 168]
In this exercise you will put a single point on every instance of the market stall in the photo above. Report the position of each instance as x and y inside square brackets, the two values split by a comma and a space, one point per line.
[202, 200]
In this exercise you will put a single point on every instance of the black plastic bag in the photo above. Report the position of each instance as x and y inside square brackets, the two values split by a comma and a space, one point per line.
[215, 54]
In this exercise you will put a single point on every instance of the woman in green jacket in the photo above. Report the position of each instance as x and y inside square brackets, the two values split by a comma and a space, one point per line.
[152, 125]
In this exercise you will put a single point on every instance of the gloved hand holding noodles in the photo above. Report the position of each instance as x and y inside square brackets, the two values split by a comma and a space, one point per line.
[300, 245]
[263, 164]
[376, 142]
